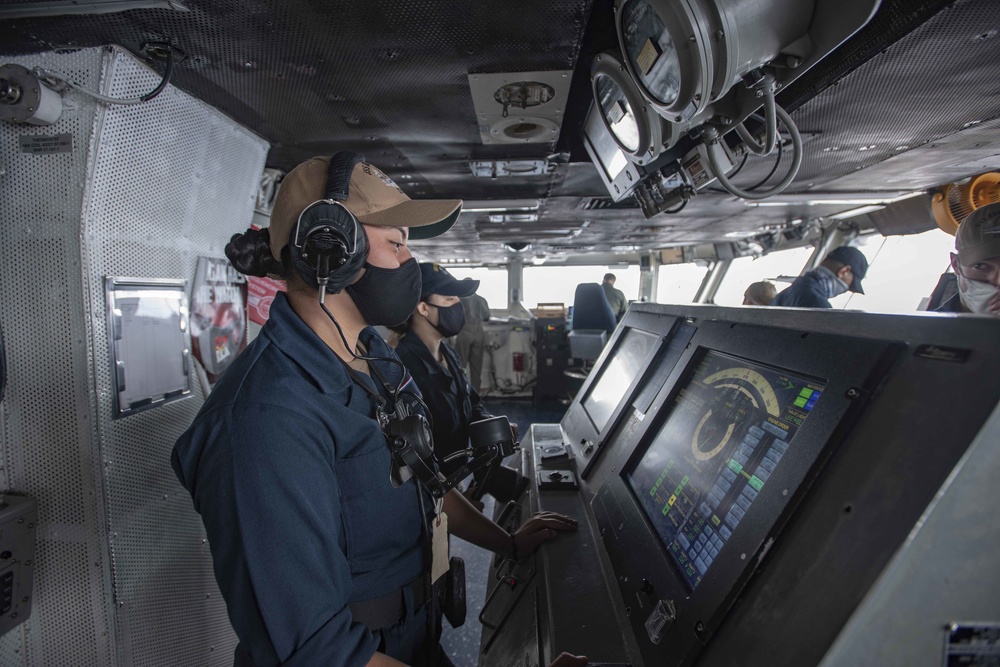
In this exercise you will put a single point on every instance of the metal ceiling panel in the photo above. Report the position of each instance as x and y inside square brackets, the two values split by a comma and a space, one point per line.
[910, 97]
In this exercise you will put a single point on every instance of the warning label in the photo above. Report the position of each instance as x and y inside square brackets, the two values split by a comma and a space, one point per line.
[45, 144]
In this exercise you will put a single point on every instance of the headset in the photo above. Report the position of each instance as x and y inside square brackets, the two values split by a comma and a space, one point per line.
[330, 247]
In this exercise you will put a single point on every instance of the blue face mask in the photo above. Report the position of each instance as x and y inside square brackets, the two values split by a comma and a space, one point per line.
[387, 296]
[832, 285]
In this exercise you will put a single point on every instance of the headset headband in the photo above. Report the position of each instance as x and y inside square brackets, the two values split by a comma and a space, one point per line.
[338, 182]
[329, 247]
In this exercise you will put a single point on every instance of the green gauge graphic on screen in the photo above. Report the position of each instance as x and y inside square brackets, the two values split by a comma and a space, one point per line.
[741, 395]
[731, 424]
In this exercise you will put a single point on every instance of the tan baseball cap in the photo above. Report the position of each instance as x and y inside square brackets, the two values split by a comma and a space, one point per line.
[978, 236]
[373, 199]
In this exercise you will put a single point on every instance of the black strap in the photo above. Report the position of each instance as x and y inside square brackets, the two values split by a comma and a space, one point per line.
[338, 182]
[381, 612]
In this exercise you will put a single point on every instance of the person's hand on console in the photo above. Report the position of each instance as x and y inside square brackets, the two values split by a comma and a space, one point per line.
[540, 528]
[568, 660]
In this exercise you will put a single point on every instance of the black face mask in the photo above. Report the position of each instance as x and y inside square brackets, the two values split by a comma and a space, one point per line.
[451, 319]
[387, 296]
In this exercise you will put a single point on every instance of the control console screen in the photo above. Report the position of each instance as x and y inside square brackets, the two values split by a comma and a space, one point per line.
[731, 423]
[617, 375]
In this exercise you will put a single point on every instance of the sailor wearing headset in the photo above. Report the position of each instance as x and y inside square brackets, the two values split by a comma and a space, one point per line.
[321, 540]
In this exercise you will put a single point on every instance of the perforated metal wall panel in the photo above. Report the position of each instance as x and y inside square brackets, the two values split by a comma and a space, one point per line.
[49, 438]
[124, 574]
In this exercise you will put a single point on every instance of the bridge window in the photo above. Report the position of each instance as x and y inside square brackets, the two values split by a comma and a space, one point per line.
[746, 270]
[492, 283]
[557, 284]
[678, 283]
[903, 271]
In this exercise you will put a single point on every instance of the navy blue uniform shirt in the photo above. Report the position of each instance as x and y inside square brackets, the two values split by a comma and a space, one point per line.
[806, 292]
[449, 396]
[290, 473]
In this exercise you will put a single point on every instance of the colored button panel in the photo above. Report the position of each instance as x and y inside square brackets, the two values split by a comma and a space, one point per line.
[777, 431]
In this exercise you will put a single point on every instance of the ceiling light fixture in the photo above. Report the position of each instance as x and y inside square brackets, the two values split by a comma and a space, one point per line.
[500, 205]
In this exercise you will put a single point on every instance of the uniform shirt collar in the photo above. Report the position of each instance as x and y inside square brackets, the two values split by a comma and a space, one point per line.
[286, 330]
[413, 344]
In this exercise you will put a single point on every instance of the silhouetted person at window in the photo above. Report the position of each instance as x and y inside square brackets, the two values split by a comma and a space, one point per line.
[842, 270]
[470, 343]
[616, 297]
[759, 294]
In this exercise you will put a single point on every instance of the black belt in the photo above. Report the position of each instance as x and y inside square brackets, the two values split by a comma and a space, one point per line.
[381, 612]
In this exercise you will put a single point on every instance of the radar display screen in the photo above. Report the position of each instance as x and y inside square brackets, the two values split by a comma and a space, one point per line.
[617, 375]
[730, 426]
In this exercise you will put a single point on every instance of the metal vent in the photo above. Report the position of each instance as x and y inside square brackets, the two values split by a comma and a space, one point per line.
[603, 203]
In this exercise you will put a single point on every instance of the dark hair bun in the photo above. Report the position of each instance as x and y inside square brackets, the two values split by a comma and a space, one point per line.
[250, 254]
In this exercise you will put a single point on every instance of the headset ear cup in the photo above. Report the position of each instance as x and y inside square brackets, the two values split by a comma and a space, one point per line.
[349, 270]
[325, 252]
[331, 246]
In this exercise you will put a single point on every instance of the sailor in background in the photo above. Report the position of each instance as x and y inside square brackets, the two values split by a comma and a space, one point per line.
[842, 270]
[977, 264]
[759, 294]
[470, 343]
[616, 297]
[452, 400]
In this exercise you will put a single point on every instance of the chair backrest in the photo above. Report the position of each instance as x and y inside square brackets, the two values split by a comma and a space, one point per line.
[947, 287]
[591, 309]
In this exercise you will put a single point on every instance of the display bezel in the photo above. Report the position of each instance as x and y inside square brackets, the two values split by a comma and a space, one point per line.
[634, 547]
[599, 374]
[582, 435]
[640, 452]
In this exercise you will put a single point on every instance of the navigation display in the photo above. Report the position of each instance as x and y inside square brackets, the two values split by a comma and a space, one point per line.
[730, 426]
[617, 375]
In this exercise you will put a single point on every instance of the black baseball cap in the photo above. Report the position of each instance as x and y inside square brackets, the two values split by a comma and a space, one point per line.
[437, 280]
[855, 259]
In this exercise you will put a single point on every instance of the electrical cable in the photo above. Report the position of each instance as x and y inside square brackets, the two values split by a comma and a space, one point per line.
[679, 208]
[731, 174]
[399, 385]
[713, 136]
[50, 75]
[774, 168]
[770, 122]
[746, 154]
